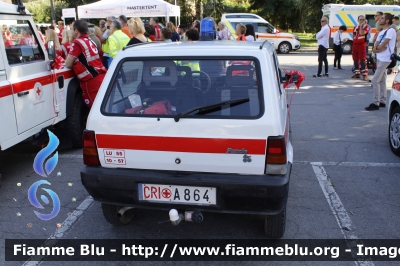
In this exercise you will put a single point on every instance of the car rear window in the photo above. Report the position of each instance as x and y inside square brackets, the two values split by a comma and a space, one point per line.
[211, 88]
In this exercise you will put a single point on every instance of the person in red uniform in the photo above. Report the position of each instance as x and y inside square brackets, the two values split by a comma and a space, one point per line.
[61, 29]
[154, 23]
[84, 59]
[359, 50]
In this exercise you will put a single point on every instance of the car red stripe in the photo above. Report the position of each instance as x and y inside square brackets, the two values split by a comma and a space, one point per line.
[5, 91]
[174, 144]
[29, 84]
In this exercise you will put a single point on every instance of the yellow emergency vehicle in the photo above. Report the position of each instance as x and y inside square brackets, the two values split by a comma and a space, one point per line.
[340, 14]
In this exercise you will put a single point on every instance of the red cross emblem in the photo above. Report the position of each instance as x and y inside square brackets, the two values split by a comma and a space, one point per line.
[38, 91]
[166, 193]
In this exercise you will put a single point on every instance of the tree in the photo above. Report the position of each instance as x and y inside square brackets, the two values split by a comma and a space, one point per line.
[41, 10]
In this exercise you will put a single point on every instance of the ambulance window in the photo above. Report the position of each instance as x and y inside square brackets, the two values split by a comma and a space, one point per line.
[20, 42]
[371, 20]
[167, 87]
[265, 28]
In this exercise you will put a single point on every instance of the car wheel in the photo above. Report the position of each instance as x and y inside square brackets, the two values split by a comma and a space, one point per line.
[76, 121]
[274, 225]
[110, 213]
[394, 131]
[347, 47]
[284, 48]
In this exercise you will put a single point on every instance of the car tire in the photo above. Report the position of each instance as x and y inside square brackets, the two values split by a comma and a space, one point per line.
[284, 48]
[394, 130]
[110, 214]
[347, 47]
[76, 121]
[274, 225]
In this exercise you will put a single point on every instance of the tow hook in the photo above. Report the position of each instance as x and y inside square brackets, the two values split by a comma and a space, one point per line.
[190, 216]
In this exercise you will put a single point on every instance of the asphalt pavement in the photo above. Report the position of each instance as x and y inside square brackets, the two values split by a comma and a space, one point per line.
[344, 183]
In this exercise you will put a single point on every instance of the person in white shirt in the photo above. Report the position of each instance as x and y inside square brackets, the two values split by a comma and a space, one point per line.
[383, 48]
[222, 33]
[323, 45]
[337, 46]
[250, 33]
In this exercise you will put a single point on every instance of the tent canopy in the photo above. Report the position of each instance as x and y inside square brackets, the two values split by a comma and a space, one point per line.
[129, 8]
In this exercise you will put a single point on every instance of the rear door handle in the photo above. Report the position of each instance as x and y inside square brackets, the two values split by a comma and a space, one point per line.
[23, 93]
[2, 72]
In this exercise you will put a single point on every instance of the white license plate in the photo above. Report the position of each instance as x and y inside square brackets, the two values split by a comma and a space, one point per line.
[177, 194]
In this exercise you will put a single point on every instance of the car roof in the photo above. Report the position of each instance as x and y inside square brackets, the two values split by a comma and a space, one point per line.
[201, 45]
[7, 8]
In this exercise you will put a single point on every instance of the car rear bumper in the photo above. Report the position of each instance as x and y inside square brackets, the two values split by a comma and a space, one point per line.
[245, 194]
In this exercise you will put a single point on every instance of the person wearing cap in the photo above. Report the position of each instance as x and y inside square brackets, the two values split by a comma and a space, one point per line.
[125, 28]
[182, 32]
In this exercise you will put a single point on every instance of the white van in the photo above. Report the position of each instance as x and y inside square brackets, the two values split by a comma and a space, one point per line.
[283, 42]
[347, 15]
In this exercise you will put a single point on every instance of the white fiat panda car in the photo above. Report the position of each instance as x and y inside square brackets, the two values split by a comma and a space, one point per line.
[196, 126]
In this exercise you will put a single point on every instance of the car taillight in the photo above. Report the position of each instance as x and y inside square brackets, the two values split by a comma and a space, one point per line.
[90, 155]
[275, 159]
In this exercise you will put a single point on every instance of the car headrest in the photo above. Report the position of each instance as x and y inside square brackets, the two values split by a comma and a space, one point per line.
[240, 75]
[159, 72]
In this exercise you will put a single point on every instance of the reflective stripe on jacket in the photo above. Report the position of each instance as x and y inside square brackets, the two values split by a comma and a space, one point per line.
[117, 41]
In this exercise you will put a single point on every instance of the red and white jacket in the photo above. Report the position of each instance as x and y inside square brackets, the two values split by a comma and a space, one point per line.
[65, 48]
[357, 37]
[87, 64]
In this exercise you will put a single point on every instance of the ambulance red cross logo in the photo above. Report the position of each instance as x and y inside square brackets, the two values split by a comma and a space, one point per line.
[166, 193]
[38, 89]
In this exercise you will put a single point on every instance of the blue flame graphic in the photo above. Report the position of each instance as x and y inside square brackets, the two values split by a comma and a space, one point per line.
[33, 200]
[44, 153]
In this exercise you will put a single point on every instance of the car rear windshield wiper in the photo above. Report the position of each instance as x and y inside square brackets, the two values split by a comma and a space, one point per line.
[210, 107]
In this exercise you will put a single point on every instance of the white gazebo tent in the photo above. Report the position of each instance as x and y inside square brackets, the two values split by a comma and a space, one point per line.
[129, 8]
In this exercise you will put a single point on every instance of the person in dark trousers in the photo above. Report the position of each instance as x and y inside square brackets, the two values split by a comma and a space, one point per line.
[323, 45]
[337, 46]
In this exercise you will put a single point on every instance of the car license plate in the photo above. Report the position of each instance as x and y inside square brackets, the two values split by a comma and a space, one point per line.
[177, 194]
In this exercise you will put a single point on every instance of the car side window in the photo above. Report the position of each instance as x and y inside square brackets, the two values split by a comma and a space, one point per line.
[20, 42]
[277, 73]
[263, 28]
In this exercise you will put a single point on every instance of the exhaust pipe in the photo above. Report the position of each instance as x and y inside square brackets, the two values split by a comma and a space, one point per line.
[121, 211]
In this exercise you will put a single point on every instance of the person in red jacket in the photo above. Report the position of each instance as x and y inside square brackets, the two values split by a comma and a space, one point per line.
[84, 59]
[240, 32]
[154, 23]
[359, 47]
[61, 29]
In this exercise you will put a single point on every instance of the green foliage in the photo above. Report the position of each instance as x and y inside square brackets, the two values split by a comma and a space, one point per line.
[41, 10]
[233, 6]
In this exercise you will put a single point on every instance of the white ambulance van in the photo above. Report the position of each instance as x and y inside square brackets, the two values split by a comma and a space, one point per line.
[33, 96]
[340, 14]
[283, 42]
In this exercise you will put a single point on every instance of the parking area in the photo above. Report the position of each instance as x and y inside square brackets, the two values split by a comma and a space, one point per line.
[344, 183]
